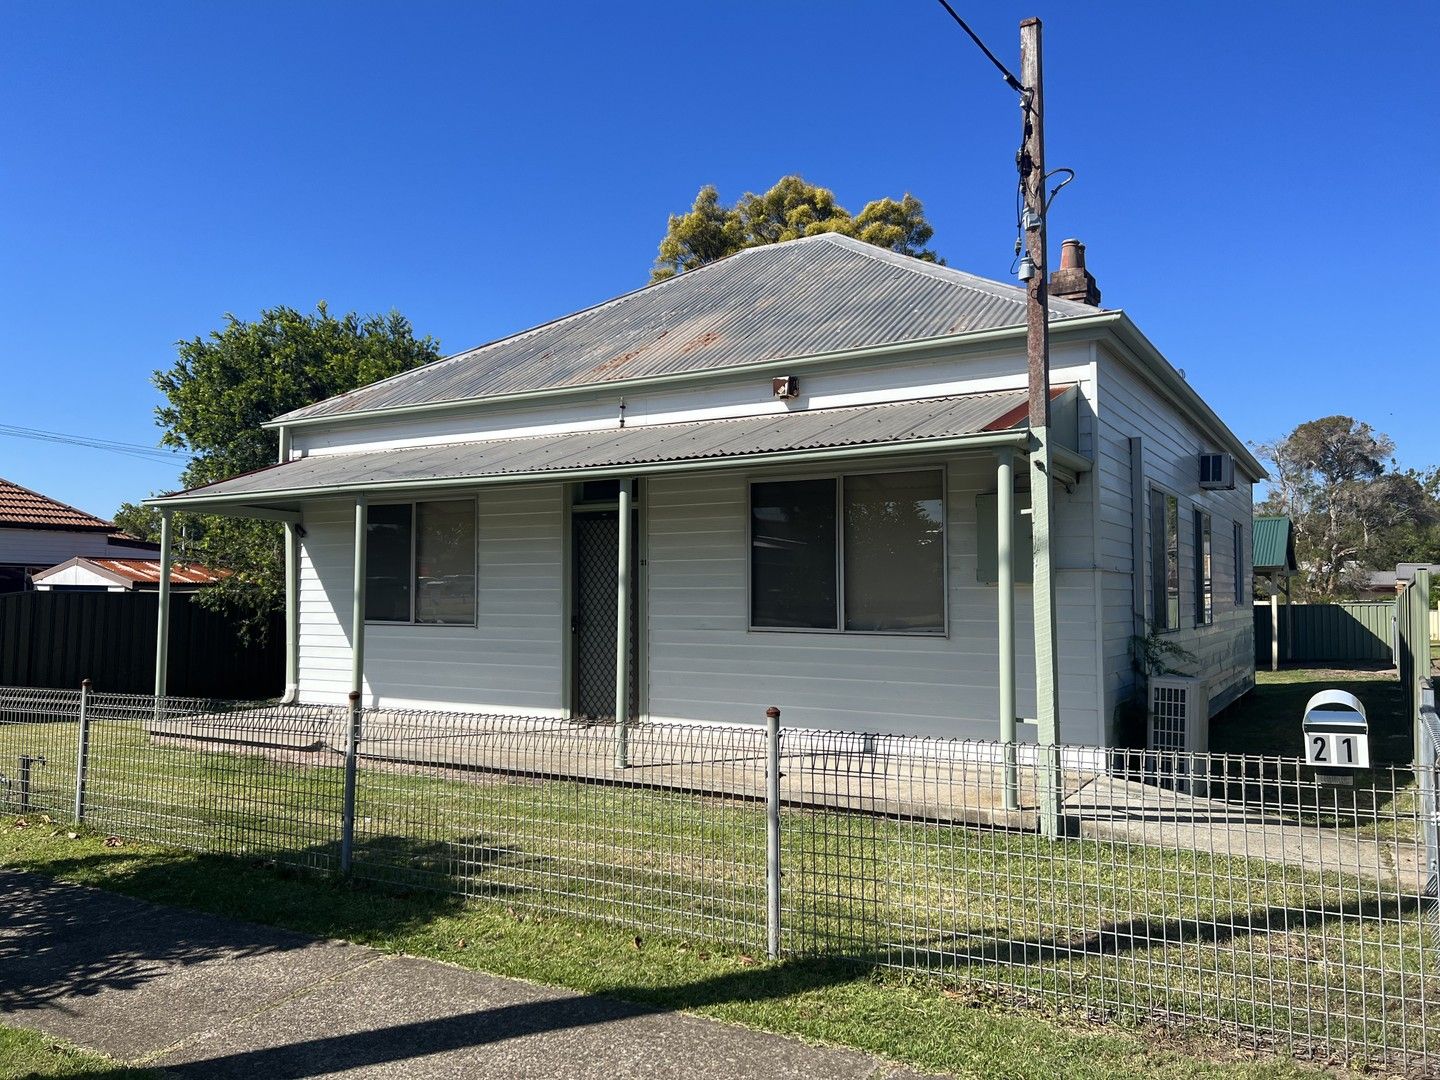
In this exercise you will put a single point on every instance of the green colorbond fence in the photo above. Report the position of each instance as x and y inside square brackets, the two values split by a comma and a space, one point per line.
[55, 639]
[1352, 632]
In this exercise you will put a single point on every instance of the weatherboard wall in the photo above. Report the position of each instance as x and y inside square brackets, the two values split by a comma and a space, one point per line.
[50, 547]
[509, 662]
[705, 664]
[1127, 405]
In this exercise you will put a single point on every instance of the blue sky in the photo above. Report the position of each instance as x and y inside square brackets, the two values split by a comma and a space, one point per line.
[1247, 186]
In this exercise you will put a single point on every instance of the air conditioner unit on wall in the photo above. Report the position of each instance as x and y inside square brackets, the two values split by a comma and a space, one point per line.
[1217, 472]
[1179, 715]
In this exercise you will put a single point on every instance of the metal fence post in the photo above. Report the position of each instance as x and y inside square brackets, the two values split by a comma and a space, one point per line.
[347, 810]
[82, 751]
[772, 832]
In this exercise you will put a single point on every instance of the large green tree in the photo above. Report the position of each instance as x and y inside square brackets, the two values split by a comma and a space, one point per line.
[1352, 510]
[791, 209]
[220, 390]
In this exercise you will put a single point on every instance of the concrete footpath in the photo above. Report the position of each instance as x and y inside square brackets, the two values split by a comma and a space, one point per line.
[195, 995]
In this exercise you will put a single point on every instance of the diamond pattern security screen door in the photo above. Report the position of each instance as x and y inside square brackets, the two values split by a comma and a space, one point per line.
[596, 540]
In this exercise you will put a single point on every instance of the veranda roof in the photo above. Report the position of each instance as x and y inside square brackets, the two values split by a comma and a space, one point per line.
[932, 424]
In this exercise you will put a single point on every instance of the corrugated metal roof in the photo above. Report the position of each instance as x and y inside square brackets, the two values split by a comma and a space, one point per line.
[25, 509]
[700, 441]
[139, 571]
[147, 571]
[1272, 546]
[806, 297]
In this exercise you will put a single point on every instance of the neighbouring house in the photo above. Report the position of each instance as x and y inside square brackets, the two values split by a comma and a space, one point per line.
[37, 532]
[1384, 584]
[812, 439]
[82, 574]
[1274, 566]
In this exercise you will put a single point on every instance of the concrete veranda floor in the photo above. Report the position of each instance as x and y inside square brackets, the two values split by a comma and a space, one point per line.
[195, 995]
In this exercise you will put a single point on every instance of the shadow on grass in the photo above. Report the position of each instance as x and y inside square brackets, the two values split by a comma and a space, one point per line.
[57, 941]
[89, 942]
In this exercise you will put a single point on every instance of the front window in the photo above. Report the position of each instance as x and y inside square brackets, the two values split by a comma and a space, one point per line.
[420, 563]
[1164, 560]
[863, 553]
[1204, 596]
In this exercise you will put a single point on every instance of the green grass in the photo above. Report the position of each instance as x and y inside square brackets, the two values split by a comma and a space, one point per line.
[518, 869]
[1267, 720]
[965, 1027]
[29, 1055]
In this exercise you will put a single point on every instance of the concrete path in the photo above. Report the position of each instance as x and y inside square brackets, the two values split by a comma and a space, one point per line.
[200, 996]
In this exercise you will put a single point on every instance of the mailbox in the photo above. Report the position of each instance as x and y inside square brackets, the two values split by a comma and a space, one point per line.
[1337, 735]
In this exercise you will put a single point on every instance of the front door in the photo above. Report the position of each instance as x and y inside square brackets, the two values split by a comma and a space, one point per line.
[595, 542]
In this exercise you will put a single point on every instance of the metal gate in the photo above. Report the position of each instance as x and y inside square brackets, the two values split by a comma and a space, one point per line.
[596, 541]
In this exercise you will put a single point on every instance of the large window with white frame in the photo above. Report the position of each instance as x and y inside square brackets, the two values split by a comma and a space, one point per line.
[420, 563]
[1164, 560]
[863, 553]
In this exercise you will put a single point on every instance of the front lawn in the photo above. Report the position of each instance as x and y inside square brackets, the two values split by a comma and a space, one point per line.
[1267, 720]
[959, 1026]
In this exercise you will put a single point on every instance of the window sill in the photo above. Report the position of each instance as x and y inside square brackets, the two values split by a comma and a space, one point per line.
[847, 633]
[430, 625]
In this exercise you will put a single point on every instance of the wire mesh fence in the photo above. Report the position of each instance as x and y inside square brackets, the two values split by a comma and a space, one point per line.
[1249, 894]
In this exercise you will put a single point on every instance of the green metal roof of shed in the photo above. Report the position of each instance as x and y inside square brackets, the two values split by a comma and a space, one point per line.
[1272, 543]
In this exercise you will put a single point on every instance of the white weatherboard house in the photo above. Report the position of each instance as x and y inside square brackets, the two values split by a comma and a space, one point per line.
[809, 436]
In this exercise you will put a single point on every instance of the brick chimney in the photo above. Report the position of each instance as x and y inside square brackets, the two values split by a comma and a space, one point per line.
[1072, 281]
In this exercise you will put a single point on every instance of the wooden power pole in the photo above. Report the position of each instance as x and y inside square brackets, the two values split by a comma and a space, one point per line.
[1037, 348]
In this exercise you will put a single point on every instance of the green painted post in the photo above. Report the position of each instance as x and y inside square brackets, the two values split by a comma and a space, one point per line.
[622, 631]
[162, 622]
[1420, 647]
[292, 592]
[357, 596]
[1005, 611]
[357, 687]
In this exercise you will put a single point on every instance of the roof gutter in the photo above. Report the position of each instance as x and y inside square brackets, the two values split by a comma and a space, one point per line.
[261, 503]
[1061, 329]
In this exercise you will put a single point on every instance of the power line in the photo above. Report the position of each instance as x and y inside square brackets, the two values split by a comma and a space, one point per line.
[111, 446]
[1010, 80]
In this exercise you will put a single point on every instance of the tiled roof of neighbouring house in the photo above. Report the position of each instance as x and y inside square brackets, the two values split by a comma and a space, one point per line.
[806, 297]
[21, 508]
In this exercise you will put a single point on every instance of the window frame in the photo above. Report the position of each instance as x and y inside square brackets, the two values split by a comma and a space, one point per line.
[414, 505]
[1204, 526]
[1160, 583]
[839, 478]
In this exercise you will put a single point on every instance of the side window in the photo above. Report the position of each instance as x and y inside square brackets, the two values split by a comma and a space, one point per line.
[1204, 576]
[1164, 560]
[1242, 571]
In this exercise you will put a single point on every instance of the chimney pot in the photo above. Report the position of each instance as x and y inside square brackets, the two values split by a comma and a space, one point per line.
[1072, 281]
